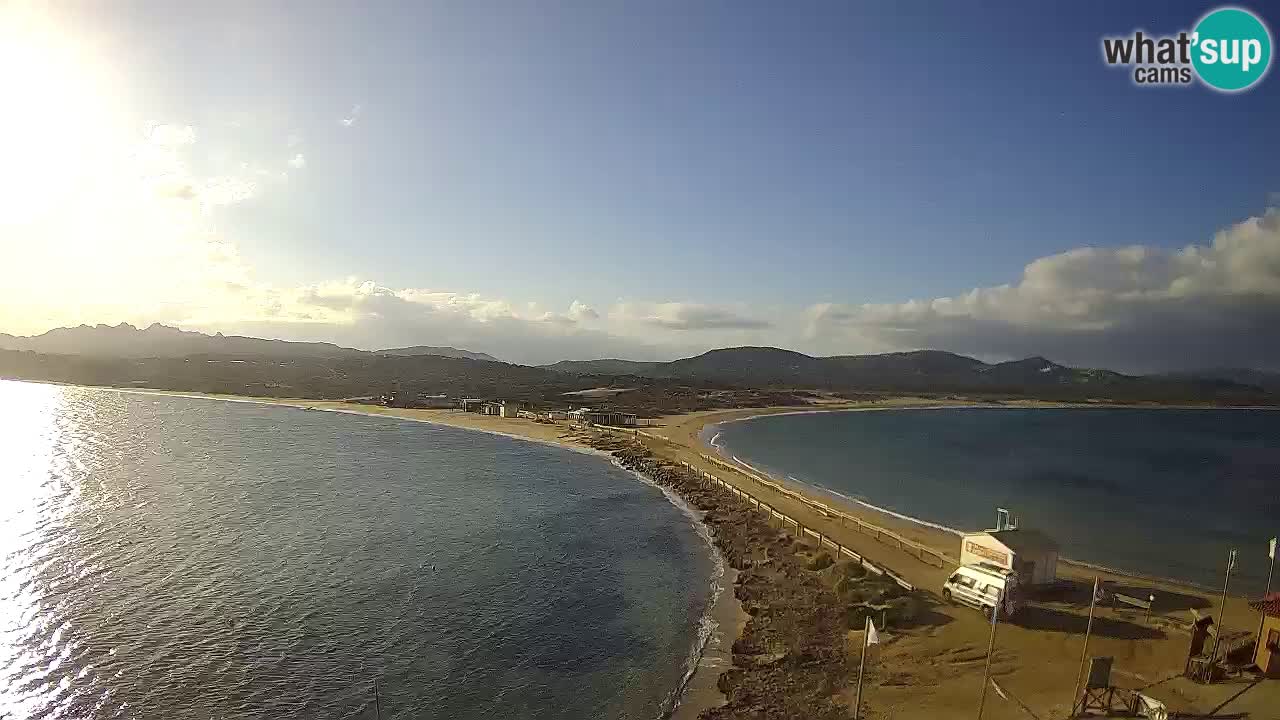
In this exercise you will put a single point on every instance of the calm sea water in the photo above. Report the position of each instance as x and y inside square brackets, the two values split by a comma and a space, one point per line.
[1159, 492]
[172, 557]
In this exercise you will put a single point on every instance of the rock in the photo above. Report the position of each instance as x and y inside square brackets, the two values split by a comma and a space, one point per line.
[821, 561]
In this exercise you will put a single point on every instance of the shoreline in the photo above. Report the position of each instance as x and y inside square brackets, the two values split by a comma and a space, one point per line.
[712, 652]
[889, 515]
[690, 426]
[924, 672]
[724, 616]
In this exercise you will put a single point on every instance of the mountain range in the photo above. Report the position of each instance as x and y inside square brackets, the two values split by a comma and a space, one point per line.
[921, 369]
[926, 371]
[162, 341]
[449, 352]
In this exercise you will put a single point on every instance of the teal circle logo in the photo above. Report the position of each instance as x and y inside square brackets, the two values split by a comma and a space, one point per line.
[1231, 49]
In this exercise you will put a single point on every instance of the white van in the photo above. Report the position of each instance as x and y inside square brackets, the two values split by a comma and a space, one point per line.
[981, 586]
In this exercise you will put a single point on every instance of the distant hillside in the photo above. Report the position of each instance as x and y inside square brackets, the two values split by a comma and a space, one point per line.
[162, 341]
[449, 352]
[357, 374]
[604, 367]
[929, 371]
[1264, 379]
[166, 357]
[127, 341]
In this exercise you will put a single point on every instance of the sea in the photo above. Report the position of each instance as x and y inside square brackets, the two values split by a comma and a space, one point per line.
[166, 557]
[1166, 493]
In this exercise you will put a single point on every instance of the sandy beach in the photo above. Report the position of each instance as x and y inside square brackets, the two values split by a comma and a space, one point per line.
[932, 668]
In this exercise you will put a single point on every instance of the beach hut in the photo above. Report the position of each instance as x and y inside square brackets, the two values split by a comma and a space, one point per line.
[1267, 656]
[1030, 553]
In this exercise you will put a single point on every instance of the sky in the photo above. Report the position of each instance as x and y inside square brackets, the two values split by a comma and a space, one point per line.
[649, 180]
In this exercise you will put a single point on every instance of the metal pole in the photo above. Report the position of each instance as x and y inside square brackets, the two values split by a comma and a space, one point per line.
[862, 663]
[1222, 614]
[991, 646]
[1084, 651]
[377, 701]
[1262, 619]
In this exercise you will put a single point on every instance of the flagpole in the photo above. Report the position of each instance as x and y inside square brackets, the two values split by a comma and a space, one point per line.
[1084, 651]
[862, 662]
[991, 646]
[1262, 615]
[1222, 613]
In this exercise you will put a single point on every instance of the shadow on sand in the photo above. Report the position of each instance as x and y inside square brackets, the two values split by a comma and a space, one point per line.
[927, 616]
[1076, 593]
[1035, 617]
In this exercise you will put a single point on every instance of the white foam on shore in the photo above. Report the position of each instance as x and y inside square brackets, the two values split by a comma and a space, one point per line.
[847, 498]
[708, 626]
[724, 452]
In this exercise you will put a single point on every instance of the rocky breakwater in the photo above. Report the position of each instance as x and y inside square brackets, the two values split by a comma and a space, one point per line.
[793, 658]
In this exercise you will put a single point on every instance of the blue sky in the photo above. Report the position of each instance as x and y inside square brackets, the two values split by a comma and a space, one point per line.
[673, 168]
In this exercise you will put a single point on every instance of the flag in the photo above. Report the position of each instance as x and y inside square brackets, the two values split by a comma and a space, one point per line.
[1231, 561]
[1271, 552]
[873, 637]
[999, 690]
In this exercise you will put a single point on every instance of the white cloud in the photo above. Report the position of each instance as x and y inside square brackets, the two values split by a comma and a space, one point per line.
[352, 116]
[363, 313]
[173, 135]
[298, 161]
[1136, 308]
[581, 312]
[685, 316]
[220, 191]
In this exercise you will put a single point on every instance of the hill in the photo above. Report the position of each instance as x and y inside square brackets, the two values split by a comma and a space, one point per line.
[169, 358]
[127, 341]
[920, 371]
[449, 352]
[162, 341]
[604, 367]
[1263, 379]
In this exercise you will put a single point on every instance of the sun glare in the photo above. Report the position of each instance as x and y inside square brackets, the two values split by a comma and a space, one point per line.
[57, 120]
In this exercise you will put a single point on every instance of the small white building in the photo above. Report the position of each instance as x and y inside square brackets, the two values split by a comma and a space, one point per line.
[1030, 553]
[588, 416]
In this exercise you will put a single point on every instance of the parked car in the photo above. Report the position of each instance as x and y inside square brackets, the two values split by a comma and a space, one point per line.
[985, 587]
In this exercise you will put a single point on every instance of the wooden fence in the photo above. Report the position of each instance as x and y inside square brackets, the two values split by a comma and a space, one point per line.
[804, 534]
[923, 553]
